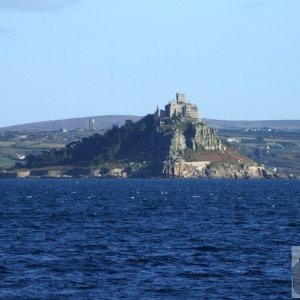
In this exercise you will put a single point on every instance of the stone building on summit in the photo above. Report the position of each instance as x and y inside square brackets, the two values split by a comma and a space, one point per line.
[179, 108]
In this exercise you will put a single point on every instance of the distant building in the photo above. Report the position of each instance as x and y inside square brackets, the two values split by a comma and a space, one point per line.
[92, 123]
[21, 157]
[179, 108]
[63, 130]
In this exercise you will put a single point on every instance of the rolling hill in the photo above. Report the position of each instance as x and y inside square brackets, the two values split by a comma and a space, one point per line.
[105, 122]
[101, 122]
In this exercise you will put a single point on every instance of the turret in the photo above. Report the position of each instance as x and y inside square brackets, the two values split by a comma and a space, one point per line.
[157, 113]
[180, 98]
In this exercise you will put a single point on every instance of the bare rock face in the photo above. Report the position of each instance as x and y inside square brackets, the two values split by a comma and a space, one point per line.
[237, 171]
[181, 168]
[206, 137]
[197, 137]
[200, 142]
[177, 144]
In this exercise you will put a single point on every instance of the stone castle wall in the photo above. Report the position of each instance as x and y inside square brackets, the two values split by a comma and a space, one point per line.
[180, 108]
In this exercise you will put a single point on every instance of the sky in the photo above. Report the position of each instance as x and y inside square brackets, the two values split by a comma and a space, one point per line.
[236, 59]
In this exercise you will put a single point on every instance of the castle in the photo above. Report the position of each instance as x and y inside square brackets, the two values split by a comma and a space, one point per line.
[179, 108]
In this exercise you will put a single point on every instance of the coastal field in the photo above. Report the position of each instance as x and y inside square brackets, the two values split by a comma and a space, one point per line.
[14, 146]
[277, 149]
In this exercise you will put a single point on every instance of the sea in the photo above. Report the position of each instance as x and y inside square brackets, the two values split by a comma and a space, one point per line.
[147, 238]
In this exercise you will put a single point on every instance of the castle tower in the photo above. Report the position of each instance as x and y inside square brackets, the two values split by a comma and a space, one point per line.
[157, 113]
[92, 124]
[180, 98]
[181, 108]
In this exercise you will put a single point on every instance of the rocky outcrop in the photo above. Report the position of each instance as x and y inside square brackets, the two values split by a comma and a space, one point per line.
[196, 137]
[181, 168]
[238, 171]
[201, 169]
[177, 144]
[205, 137]
[200, 141]
[174, 147]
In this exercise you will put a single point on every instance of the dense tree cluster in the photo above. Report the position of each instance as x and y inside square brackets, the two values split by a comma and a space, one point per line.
[131, 141]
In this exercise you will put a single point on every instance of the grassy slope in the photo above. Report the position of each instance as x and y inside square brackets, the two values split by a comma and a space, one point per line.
[101, 122]
[10, 150]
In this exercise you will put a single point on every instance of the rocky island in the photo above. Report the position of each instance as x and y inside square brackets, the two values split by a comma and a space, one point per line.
[169, 143]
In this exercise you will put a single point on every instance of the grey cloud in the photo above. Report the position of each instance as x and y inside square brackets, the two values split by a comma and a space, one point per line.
[35, 5]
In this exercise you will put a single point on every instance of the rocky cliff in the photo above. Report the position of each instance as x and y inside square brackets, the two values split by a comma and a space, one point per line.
[196, 151]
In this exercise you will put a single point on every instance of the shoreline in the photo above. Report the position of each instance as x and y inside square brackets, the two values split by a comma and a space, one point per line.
[17, 175]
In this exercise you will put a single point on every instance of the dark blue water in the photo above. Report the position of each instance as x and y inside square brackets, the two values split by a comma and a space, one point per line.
[147, 239]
